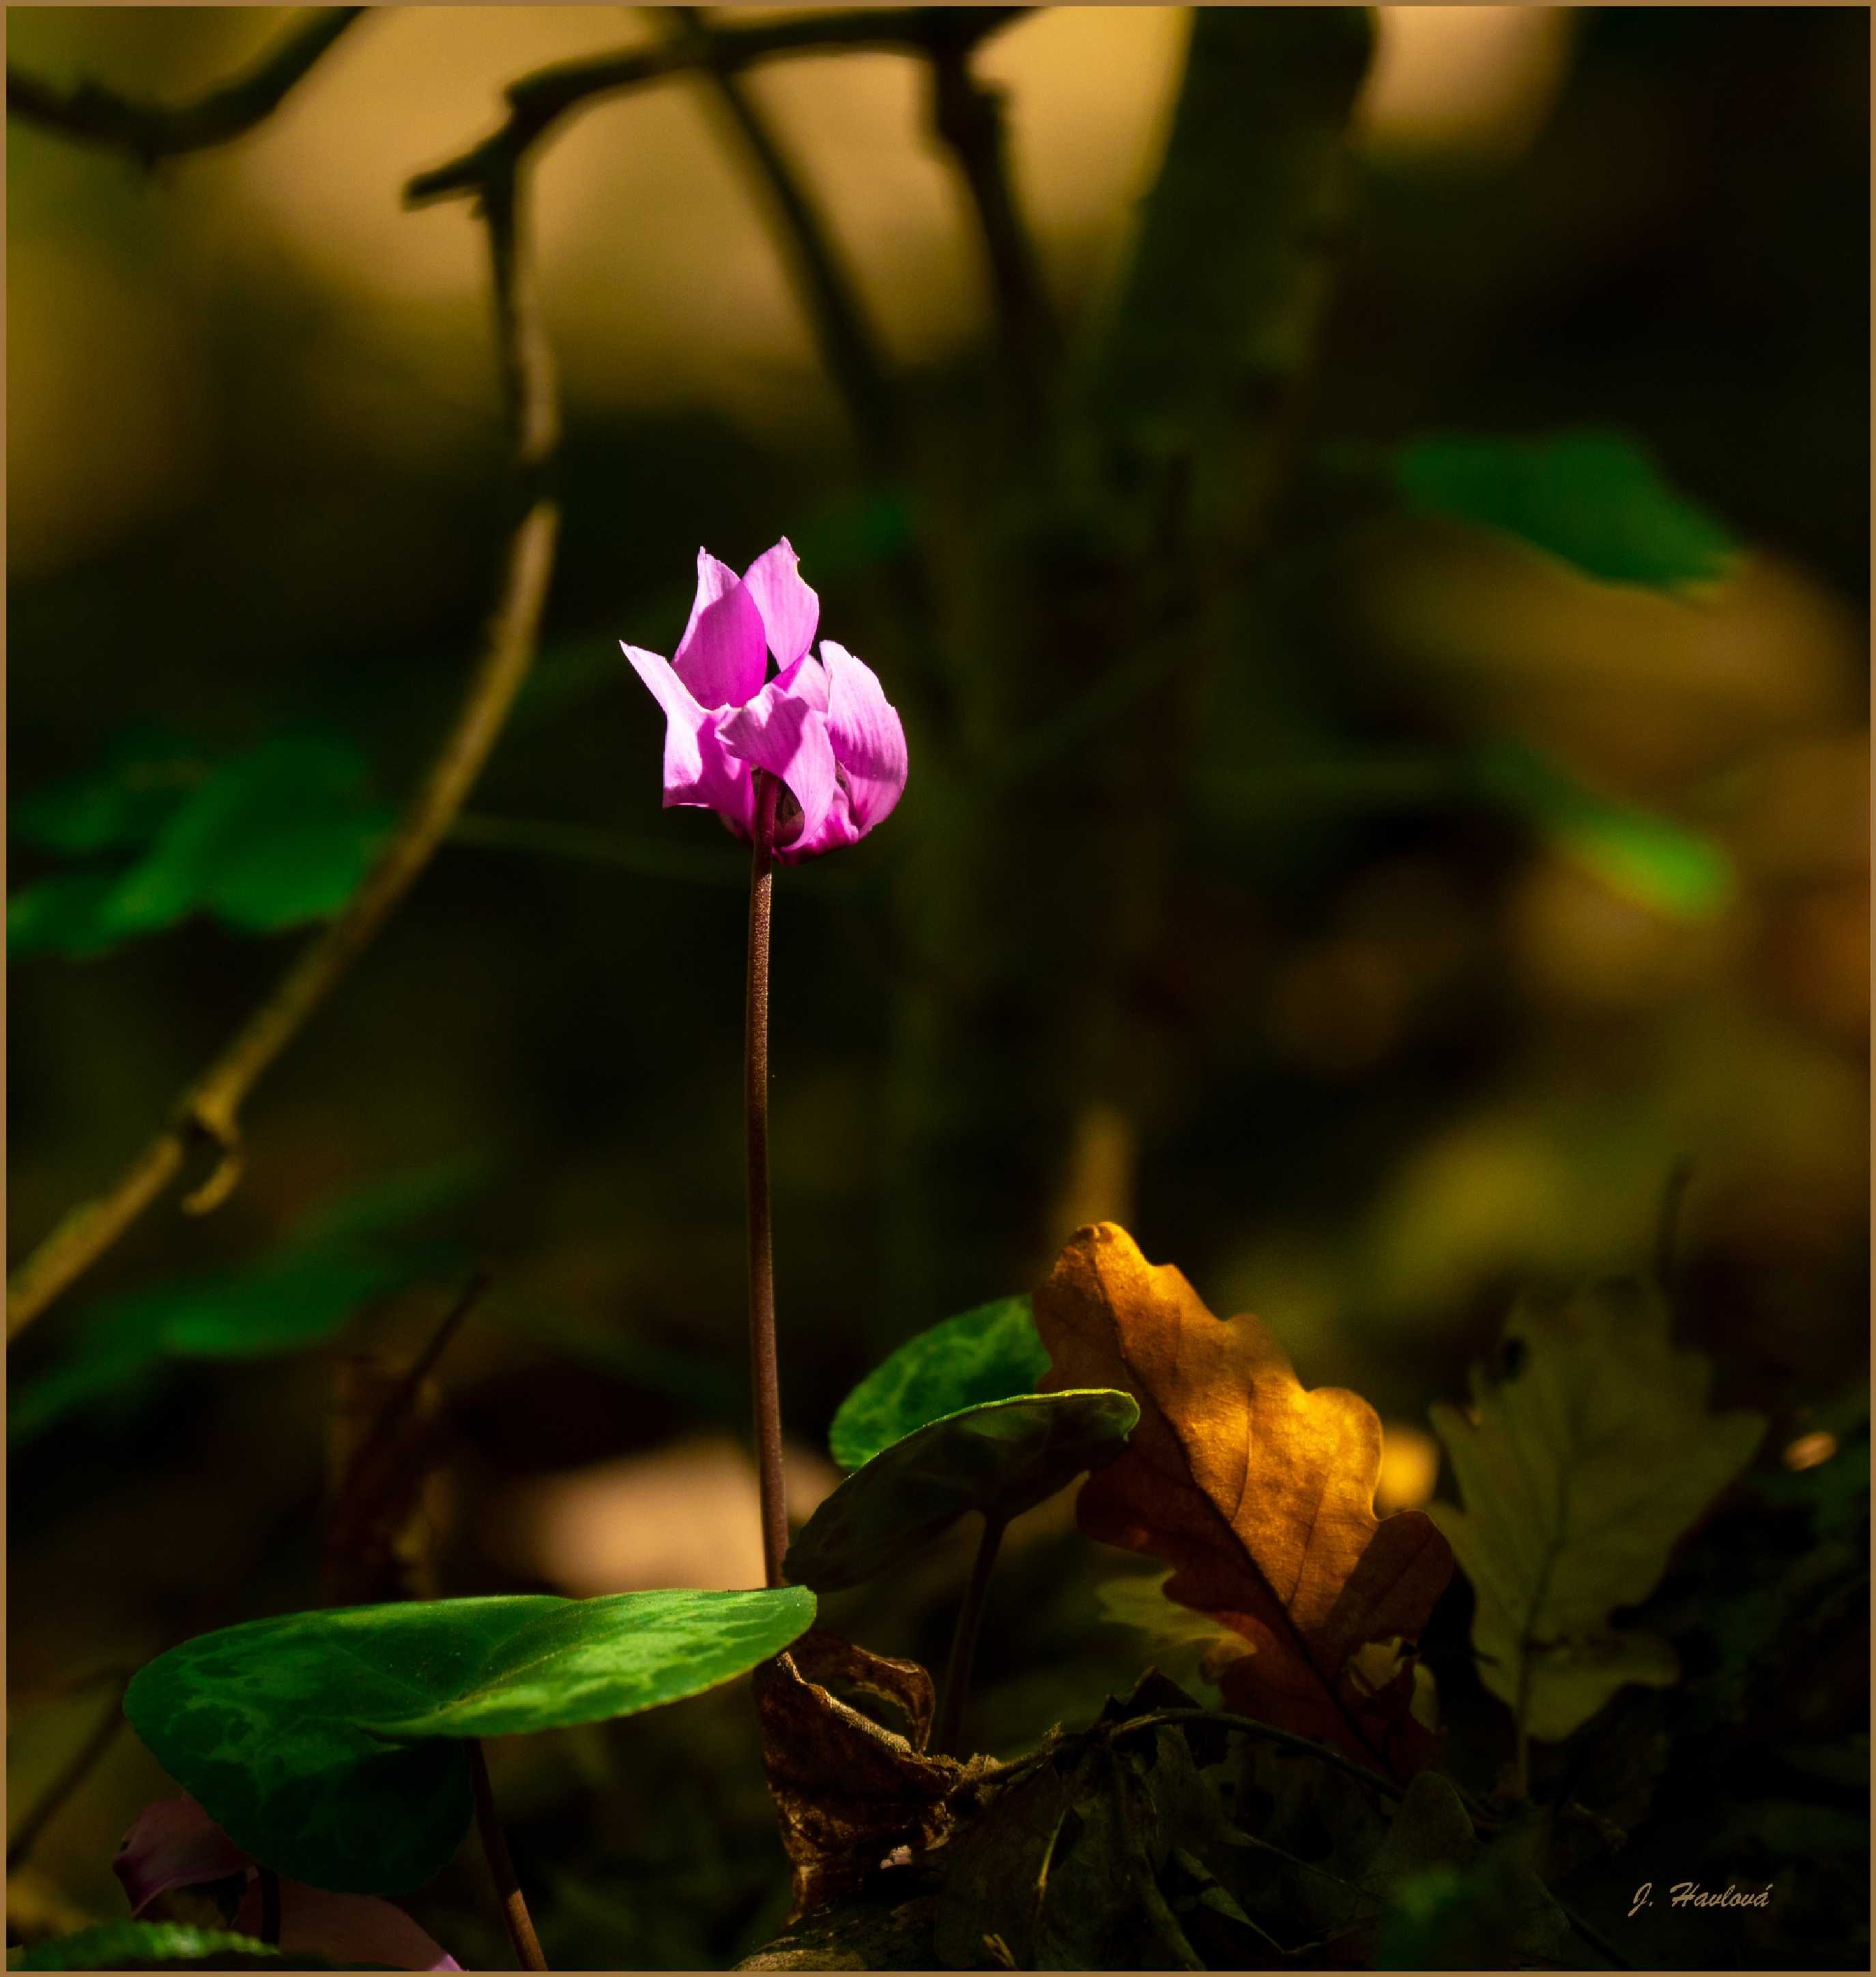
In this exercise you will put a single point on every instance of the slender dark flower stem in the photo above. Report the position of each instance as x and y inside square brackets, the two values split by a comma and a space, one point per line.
[964, 1641]
[501, 1864]
[765, 1379]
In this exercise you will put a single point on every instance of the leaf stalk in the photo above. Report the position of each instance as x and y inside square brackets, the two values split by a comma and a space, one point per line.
[948, 1739]
[501, 1864]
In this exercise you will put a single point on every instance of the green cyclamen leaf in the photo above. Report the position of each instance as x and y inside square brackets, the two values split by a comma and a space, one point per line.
[1595, 498]
[328, 1745]
[1002, 1458]
[153, 1946]
[988, 1354]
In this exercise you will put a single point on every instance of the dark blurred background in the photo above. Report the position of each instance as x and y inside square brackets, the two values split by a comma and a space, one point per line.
[1374, 1052]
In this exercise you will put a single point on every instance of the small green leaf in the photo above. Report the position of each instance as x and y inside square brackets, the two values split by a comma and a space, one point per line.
[1002, 1458]
[328, 1745]
[1595, 498]
[1643, 856]
[153, 1946]
[988, 1354]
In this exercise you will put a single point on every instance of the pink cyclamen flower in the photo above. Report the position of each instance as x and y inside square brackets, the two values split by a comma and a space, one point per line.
[174, 1845]
[822, 727]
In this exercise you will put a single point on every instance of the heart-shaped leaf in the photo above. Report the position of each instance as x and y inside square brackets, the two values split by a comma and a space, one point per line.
[988, 1354]
[327, 1744]
[1002, 1458]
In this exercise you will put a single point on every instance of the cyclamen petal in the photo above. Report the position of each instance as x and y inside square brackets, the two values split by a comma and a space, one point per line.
[722, 655]
[782, 734]
[790, 611]
[837, 831]
[806, 680]
[173, 1843]
[869, 737]
[698, 771]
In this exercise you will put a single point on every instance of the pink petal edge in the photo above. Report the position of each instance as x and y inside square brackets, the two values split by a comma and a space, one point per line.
[790, 611]
[869, 738]
[722, 657]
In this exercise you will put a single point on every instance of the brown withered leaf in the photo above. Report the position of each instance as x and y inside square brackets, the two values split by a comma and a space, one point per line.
[1260, 1494]
[848, 1794]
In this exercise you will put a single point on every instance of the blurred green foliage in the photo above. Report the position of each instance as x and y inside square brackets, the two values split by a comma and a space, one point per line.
[1596, 499]
[296, 1296]
[153, 1946]
[275, 837]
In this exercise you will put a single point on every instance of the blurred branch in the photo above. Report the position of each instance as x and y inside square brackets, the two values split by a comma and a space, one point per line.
[848, 346]
[209, 1112]
[369, 1474]
[968, 117]
[76, 1770]
[537, 101]
[150, 132]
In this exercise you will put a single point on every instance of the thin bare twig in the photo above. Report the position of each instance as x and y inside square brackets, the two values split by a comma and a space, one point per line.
[72, 1774]
[969, 116]
[537, 101]
[849, 346]
[209, 1113]
[150, 132]
[355, 1497]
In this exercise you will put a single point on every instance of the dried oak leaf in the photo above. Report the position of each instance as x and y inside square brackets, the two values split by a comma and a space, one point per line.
[849, 1795]
[1259, 1494]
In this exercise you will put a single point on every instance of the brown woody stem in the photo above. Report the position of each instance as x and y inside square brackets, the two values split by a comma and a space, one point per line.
[501, 1864]
[764, 1378]
[151, 131]
[964, 1641]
